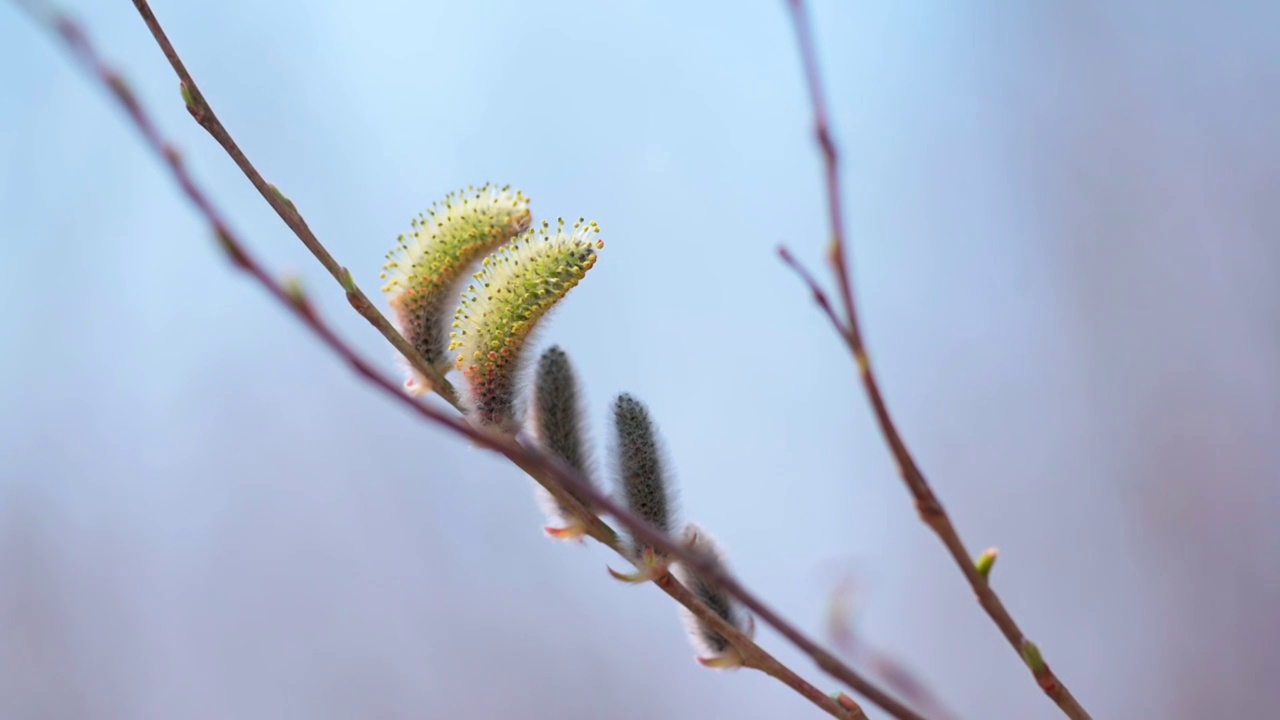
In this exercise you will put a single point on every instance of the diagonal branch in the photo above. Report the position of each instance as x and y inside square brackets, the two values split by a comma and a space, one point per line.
[205, 116]
[549, 471]
[891, 672]
[927, 503]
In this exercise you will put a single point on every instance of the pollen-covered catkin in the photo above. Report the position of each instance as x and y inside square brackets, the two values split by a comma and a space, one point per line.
[555, 422]
[424, 272]
[714, 650]
[640, 467]
[516, 287]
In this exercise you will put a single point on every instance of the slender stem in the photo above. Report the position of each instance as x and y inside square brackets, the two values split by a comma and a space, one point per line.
[547, 470]
[896, 676]
[208, 119]
[753, 655]
[927, 503]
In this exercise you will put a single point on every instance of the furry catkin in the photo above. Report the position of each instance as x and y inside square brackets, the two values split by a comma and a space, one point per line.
[555, 422]
[425, 270]
[640, 467]
[715, 650]
[515, 288]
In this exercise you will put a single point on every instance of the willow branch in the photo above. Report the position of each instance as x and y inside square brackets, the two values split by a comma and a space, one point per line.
[927, 503]
[548, 471]
[203, 114]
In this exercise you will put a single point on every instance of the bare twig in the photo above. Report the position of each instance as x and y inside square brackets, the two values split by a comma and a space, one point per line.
[203, 114]
[547, 470]
[927, 503]
[890, 671]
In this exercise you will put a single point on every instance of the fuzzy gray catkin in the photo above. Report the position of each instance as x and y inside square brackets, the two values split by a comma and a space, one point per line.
[715, 651]
[556, 424]
[640, 467]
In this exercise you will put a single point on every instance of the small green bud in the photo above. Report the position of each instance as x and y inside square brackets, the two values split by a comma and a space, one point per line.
[986, 561]
[229, 246]
[345, 279]
[1031, 656]
[1039, 668]
[275, 191]
[186, 96]
[292, 286]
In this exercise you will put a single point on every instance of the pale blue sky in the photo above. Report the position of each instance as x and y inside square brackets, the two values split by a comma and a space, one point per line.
[239, 528]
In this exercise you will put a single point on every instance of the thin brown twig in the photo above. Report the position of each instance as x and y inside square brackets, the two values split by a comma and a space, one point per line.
[753, 656]
[927, 503]
[544, 466]
[203, 114]
[891, 672]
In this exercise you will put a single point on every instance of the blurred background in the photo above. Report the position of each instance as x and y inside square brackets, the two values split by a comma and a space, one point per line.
[1064, 223]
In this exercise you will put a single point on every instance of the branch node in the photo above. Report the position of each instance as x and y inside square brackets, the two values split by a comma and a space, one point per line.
[292, 287]
[649, 567]
[172, 154]
[189, 100]
[345, 279]
[845, 701]
[231, 248]
[282, 198]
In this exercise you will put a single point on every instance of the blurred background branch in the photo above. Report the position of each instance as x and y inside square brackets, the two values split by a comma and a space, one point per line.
[850, 330]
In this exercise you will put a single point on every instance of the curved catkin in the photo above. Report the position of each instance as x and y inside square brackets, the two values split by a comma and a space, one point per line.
[516, 286]
[715, 651]
[640, 466]
[424, 272]
[556, 424]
